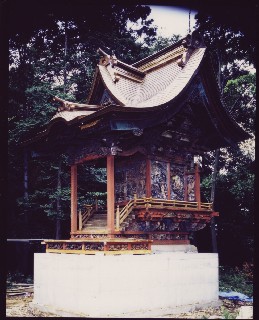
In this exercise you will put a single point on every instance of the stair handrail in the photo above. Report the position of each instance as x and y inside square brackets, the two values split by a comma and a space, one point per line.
[86, 215]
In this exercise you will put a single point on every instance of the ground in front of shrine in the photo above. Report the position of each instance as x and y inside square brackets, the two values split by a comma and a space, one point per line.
[18, 306]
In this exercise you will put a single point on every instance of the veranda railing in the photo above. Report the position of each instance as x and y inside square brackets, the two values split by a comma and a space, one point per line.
[146, 203]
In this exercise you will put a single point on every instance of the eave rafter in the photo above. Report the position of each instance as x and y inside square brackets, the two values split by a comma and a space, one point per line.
[70, 106]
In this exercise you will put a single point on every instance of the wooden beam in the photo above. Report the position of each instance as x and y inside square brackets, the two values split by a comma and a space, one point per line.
[197, 186]
[110, 194]
[168, 181]
[148, 178]
[74, 198]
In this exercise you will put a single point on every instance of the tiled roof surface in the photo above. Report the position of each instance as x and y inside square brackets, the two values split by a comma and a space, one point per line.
[163, 79]
[160, 85]
[174, 82]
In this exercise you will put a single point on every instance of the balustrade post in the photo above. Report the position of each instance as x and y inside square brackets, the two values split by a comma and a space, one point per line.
[118, 218]
[110, 194]
[96, 204]
[74, 198]
[80, 220]
[197, 186]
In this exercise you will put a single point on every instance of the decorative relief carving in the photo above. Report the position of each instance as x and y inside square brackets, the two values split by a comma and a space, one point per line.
[106, 99]
[117, 247]
[167, 236]
[118, 236]
[182, 222]
[139, 246]
[177, 182]
[57, 246]
[130, 179]
[73, 246]
[137, 236]
[159, 179]
[190, 187]
[94, 246]
[94, 149]
[89, 236]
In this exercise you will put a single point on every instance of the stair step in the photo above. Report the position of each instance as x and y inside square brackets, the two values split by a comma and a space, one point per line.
[92, 229]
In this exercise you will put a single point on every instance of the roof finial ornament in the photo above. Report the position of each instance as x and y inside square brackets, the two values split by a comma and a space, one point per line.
[191, 42]
[113, 59]
[109, 62]
[106, 59]
[190, 21]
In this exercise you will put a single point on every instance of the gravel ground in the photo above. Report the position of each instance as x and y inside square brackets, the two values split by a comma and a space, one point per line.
[18, 306]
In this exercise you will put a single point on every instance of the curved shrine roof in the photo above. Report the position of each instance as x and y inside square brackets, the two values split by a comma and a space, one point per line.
[150, 84]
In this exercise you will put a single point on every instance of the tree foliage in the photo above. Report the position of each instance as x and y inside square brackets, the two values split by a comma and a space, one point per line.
[232, 54]
[55, 54]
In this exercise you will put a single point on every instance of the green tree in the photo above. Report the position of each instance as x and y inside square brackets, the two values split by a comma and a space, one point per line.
[55, 53]
[234, 197]
[233, 51]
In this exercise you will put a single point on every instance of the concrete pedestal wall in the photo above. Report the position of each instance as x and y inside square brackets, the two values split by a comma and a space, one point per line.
[125, 285]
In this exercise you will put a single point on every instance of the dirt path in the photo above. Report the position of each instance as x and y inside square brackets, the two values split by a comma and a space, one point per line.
[18, 306]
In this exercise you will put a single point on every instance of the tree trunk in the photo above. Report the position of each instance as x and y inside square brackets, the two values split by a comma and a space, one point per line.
[58, 203]
[25, 187]
[212, 198]
[65, 59]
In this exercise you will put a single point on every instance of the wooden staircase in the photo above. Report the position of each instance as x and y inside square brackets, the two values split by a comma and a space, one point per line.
[98, 221]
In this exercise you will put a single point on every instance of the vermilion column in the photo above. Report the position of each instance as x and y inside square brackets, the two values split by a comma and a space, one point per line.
[110, 194]
[73, 198]
[197, 185]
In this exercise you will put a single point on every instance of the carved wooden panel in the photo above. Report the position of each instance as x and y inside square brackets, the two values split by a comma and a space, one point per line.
[159, 179]
[106, 99]
[190, 188]
[167, 225]
[177, 182]
[130, 179]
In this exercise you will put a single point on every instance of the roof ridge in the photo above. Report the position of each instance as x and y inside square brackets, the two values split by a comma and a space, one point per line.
[130, 68]
[158, 53]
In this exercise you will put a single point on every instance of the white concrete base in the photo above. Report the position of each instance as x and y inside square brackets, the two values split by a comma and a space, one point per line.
[125, 285]
[173, 248]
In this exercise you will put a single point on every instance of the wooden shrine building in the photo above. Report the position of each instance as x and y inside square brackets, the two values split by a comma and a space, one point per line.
[148, 124]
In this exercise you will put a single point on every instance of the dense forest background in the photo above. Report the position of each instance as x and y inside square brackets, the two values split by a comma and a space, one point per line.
[53, 52]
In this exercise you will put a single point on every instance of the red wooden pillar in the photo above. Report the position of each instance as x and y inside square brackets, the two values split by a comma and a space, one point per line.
[185, 185]
[73, 198]
[197, 185]
[110, 194]
[168, 181]
[148, 178]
